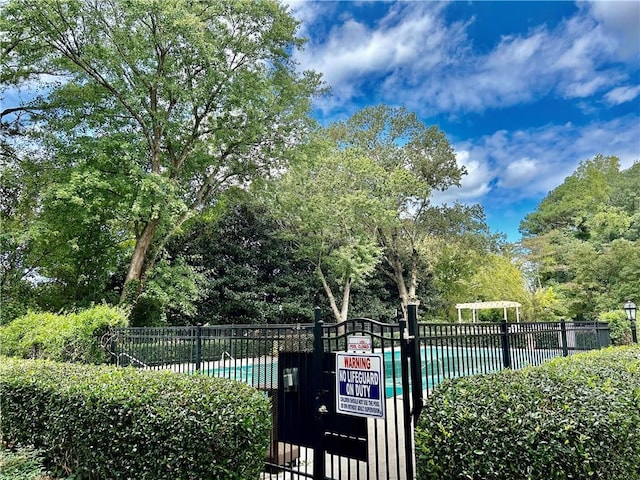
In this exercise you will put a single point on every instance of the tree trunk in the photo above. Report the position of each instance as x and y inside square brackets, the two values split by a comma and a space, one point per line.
[407, 292]
[398, 277]
[346, 292]
[340, 315]
[327, 290]
[137, 264]
[413, 276]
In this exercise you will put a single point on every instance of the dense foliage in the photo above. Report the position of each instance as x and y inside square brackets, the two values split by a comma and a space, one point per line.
[72, 337]
[122, 140]
[101, 423]
[363, 201]
[583, 240]
[411, 161]
[249, 274]
[619, 327]
[576, 417]
[124, 120]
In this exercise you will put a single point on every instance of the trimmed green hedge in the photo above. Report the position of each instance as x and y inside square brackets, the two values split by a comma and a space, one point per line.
[570, 418]
[101, 422]
[74, 337]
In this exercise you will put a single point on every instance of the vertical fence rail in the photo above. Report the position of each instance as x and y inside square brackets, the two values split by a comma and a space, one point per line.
[317, 389]
[406, 405]
[506, 351]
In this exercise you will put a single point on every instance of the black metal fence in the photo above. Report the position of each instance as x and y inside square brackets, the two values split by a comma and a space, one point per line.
[279, 360]
[462, 349]
[247, 352]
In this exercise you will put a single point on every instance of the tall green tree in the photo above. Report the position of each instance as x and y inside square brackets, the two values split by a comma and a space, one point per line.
[329, 206]
[569, 205]
[366, 204]
[157, 106]
[416, 160]
[250, 273]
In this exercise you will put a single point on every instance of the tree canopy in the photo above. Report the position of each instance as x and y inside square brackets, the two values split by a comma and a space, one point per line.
[140, 114]
[583, 238]
[416, 160]
[249, 274]
[127, 128]
[363, 201]
[329, 207]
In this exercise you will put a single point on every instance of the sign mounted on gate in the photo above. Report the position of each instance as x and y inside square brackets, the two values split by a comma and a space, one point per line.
[359, 343]
[360, 389]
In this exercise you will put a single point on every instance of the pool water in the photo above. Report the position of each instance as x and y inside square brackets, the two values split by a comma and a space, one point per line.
[438, 364]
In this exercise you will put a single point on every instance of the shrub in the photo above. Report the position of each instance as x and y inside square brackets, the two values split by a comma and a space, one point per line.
[618, 326]
[102, 422]
[74, 337]
[570, 418]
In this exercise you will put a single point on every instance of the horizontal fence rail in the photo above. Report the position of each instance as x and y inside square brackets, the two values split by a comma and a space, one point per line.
[220, 351]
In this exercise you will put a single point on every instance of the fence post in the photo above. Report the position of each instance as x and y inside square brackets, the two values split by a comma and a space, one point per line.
[563, 335]
[113, 345]
[320, 407]
[416, 363]
[604, 334]
[198, 352]
[405, 343]
[506, 351]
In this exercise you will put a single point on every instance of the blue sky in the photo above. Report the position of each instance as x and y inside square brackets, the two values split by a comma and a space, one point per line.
[523, 90]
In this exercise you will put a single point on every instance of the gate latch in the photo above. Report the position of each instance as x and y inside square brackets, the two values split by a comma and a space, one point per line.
[406, 336]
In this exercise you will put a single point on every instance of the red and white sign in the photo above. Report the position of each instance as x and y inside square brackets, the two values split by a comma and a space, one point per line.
[358, 343]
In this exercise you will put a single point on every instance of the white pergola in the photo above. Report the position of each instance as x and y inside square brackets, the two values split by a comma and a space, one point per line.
[475, 306]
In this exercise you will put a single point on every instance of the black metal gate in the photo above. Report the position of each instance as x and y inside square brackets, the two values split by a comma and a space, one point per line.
[318, 442]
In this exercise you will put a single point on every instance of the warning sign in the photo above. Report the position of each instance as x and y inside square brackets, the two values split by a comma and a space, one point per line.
[360, 384]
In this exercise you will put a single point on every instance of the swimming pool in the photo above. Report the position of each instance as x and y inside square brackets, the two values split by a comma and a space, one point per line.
[438, 363]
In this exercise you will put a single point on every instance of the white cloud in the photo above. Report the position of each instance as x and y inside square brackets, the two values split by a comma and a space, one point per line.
[586, 88]
[474, 185]
[305, 12]
[519, 173]
[621, 95]
[415, 58]
[526, 164]
[620, 20]
[522, 68]
[410, 40]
